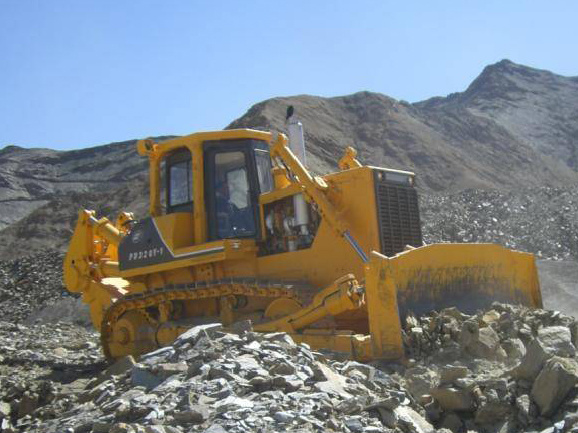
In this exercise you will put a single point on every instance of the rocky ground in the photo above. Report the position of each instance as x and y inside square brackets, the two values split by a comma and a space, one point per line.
[504, 370]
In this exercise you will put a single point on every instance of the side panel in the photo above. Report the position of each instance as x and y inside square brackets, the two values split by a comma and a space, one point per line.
[151, 240]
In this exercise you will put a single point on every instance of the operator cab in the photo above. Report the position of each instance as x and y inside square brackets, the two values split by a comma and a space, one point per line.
[235, 173]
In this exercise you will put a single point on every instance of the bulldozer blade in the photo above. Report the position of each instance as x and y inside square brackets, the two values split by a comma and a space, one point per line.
[469, 277]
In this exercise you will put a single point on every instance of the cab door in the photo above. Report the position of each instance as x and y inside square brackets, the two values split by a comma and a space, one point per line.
[232, 182]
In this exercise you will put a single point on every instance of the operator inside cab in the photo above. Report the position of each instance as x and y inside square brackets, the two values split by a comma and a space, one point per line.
[234, 217]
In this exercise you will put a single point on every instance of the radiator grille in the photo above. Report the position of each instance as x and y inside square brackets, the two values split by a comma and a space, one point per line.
[397, 215]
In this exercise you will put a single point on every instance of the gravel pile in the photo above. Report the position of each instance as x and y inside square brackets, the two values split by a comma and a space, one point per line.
[41, 368]
[506, 369]
[214, 381]
[30, 283]
[543, 221]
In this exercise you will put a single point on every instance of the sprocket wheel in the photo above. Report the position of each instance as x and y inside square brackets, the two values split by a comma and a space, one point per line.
[133, 334]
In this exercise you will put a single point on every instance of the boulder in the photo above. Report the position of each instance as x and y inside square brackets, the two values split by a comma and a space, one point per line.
[531, 363]
[556, 379]
[514, 348]
[167, 369]
[558, 339]
[282, 368]
[241, 327]
[492, 412]
[283, 417]
[353, 424]
[192, 335]
[194, 414]
[480, 342]
[5, 410]
[412, 421]
[334, 383]
[140, 376]
[232, 403]
[28, 404]
[5, 425]
[387, 416]
[523, 405]
[450, 373]
[420, 380]
[450, 398]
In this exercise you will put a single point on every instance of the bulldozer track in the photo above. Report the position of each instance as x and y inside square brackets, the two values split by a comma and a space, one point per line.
[201, 290]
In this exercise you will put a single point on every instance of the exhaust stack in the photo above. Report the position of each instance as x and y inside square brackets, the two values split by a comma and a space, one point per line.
[297, 146]
[296, 137]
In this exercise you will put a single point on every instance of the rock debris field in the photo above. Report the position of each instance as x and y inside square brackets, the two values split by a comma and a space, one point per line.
[29, 284]
[543, 221]
[506, 369]
[503, 370]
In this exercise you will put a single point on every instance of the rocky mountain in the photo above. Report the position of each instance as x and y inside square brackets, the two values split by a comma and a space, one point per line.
[514, 127]
[30, 178]
[41, 191]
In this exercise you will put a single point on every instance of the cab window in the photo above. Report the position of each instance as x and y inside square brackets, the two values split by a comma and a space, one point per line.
[180, 182]
[263, 163]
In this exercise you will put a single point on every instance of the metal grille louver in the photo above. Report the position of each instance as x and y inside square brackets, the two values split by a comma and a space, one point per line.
[397, 215]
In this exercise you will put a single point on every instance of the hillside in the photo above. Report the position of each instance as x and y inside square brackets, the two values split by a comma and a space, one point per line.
[30, 178]
[515, 129]
[514, 126]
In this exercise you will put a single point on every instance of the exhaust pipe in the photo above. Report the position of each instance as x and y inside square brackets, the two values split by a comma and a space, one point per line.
[297, 146]
[296, 137]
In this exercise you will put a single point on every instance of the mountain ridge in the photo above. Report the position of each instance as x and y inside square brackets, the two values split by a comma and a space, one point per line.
[513, 127]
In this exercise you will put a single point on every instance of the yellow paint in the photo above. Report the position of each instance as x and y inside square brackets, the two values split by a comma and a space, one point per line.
[349, 159]
[429, 277]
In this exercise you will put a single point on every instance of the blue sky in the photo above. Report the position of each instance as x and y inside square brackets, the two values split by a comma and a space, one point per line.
[80, 73]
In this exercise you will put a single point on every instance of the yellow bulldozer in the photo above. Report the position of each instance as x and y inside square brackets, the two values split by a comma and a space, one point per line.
[239, 229]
